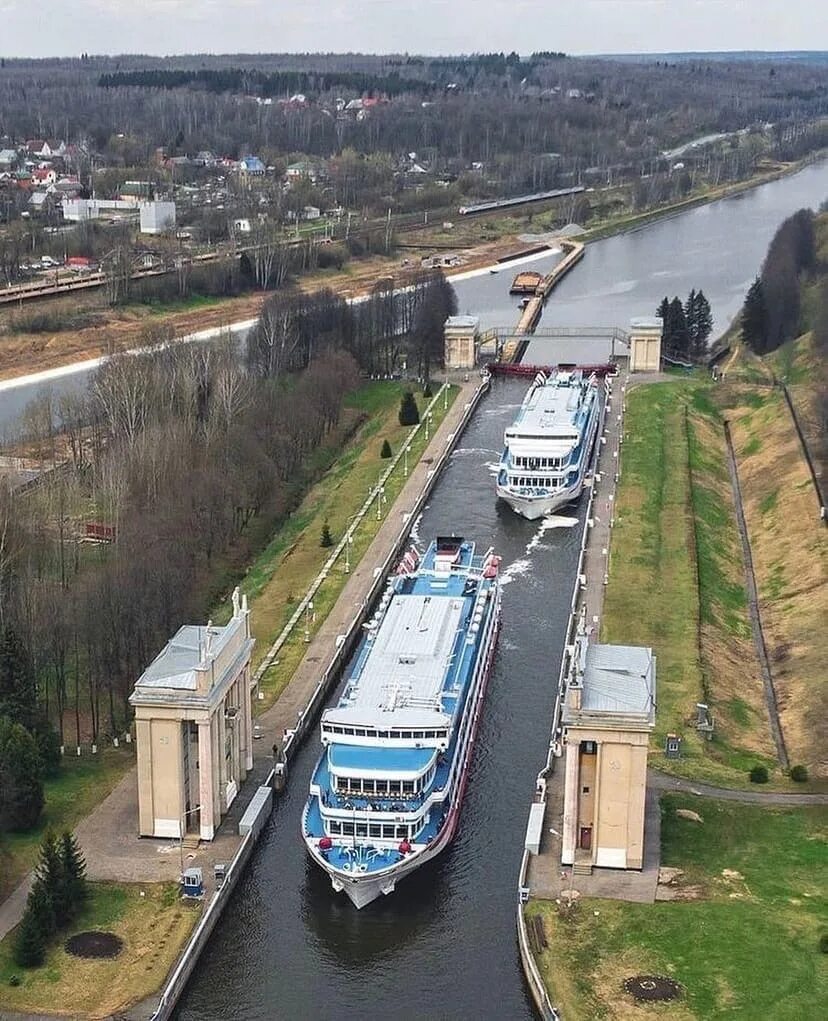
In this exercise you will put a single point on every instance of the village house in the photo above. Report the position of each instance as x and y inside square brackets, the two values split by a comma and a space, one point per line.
[305, 170]
[251, 166]
[135, 191]
[9, 159]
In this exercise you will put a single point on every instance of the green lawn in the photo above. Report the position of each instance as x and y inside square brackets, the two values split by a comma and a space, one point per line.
[82, 784]
[153, 924]
[279, 577]
[746, 948]
[652, 598]
[676, 581]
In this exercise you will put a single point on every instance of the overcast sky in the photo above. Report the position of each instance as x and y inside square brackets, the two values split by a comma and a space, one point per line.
[29, 28]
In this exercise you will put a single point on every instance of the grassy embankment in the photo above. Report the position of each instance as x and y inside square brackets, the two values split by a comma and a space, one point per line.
[153, 923]
[744, 942]
[283, 572]
[83, 783]
[677, 578]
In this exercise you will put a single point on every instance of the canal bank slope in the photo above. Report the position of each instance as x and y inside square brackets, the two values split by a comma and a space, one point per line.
[674, 517]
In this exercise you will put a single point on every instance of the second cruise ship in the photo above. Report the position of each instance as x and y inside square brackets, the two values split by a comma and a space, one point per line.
[548, 446]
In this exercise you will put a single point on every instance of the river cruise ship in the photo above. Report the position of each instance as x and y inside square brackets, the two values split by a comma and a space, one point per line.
[548, 447]
[385, 795]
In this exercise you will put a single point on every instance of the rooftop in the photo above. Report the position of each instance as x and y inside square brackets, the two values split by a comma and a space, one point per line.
[462, 322]
[190, 648]
[615, 680]
[550, 410]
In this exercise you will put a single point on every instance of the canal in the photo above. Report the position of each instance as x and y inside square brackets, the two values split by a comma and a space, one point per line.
[718, 248]
[443, 945]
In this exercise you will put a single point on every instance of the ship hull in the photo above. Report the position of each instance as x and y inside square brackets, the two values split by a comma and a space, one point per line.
[534, 507]
[363, 890]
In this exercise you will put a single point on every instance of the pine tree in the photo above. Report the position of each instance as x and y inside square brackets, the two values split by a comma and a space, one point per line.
[754, 318]
[326, 539]
[386, 449]
[690, 317]
[30, 942]
[50, 873]
[663, 310]
[74, 873]
[704, 323]
[409, 415]
[679, 342]
[18, 691]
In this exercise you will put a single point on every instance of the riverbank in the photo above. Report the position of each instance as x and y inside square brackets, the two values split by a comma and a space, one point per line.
[25, 354]
[677, 578]
[744, 879]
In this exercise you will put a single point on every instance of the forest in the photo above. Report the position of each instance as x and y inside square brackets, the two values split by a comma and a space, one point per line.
[185, 460]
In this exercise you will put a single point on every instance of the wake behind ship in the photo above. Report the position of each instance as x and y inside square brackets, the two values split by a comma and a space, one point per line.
[547, 448]
[385, 795]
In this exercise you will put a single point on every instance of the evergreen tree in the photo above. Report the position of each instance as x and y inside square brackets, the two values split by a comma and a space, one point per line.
[30, 941]
[51, 874]
[409, 414]
[703, 323]
[663, 310]
[386, 449]
[754, 318]
[690, 313]
[21, 783]
[679, 338]
[326, 539]
[18, 692]
[74, 872]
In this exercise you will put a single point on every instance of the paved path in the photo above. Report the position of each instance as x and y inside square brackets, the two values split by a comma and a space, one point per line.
[108, 836]
[664, 782]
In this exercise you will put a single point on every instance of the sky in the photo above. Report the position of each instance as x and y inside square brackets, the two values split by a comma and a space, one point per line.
[407, 26]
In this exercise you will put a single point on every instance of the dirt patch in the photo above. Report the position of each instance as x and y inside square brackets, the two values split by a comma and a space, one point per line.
[652, 988]
[94, 944]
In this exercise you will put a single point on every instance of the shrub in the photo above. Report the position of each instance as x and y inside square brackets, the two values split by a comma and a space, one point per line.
[326, 539]
[427, 392]
[759, 774]
[14, 980]
[799, 774]
[74, 873]
[36, 929]
[386, 449]
[409, 414]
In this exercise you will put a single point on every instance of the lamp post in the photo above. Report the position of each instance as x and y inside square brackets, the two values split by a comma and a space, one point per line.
[428, 420]
[308, 618]
[348, 543]
[406, 452]
[380, 501]
[445, 394]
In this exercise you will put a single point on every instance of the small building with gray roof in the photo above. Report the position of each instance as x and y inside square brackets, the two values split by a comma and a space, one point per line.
[193, 725]
[608, 716]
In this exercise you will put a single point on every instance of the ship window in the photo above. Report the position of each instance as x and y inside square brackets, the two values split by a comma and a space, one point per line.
[335, 827]
[405, 733]
[408, 786]
[359, 731]
[388, 832]
[347, 829]
[382, 786]
[402, 831]
[374, 830]
[362, 829]
[382, 733]
[394, 786]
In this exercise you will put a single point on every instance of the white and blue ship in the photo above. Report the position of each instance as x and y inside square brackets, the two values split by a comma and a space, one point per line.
[548, 447]
[386, 793]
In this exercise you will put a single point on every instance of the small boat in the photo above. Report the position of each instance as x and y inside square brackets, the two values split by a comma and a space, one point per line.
[385, 795]
[549, 445]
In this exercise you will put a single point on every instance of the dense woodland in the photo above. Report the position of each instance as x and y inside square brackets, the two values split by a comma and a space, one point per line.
[188, 457]
[532, 122]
